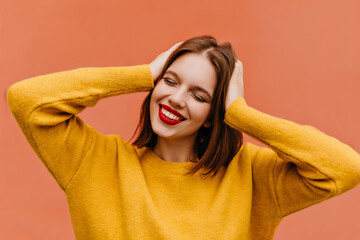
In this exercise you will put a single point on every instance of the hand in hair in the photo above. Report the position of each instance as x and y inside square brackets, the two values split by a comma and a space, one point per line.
[236, 85]
[158, 63]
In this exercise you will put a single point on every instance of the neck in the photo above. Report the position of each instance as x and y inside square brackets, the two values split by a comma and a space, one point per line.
[175, 150]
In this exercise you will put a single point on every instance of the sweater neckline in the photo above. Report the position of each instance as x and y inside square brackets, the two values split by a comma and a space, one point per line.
[163, 165]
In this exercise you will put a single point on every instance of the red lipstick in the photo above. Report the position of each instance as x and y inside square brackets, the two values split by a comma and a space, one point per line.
[167, 120]
[169, 109]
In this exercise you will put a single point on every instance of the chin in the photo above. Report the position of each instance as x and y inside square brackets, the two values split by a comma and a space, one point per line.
[161, 132]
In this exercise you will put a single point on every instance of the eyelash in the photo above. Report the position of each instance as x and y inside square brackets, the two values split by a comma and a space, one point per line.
[200, 99]
[170, 82]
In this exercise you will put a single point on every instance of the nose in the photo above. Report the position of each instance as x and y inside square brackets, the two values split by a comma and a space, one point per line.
[177, 99]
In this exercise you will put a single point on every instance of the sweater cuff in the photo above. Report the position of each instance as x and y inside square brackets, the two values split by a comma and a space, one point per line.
[132, 79]
[261, 126]
[234, 112]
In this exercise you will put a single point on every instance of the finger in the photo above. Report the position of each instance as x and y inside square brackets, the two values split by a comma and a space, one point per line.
[175, 46]
[236, 69]
[239, 65]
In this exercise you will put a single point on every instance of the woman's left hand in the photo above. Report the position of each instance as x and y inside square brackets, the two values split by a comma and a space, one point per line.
[236, 85]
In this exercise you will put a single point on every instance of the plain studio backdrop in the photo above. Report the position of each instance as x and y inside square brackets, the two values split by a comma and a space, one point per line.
[301, 63]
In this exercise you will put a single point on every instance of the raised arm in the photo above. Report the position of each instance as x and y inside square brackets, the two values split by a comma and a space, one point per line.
[305, 165]
[45, 108]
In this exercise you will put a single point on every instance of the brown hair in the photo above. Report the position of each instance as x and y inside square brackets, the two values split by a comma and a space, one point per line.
[216, 145]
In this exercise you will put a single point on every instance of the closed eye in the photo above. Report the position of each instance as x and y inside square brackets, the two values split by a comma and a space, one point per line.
[196, 96]
[169, 81]
[200, 99]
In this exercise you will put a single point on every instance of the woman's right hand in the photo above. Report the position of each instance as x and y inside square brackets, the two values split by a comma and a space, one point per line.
[158, 63]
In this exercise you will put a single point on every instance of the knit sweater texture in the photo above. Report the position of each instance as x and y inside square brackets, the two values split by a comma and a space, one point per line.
[115, 190]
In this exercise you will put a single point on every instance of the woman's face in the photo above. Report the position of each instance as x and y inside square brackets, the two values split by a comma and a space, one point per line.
[185, 91]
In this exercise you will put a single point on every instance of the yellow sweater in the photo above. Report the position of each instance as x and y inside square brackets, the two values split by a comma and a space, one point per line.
[117, 191]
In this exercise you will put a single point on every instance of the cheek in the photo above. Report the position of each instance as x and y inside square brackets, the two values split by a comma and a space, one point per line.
[159, 92]
[200, 112]
[155, 96]
[153, 105]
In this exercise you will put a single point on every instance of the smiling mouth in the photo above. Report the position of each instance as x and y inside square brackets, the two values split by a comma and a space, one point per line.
[171, 113]
[169, 118]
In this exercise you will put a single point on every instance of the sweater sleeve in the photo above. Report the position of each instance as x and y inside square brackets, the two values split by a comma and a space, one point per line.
[45, 109]
[306, 166]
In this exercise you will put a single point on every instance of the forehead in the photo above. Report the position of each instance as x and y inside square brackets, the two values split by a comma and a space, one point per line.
[196, 70]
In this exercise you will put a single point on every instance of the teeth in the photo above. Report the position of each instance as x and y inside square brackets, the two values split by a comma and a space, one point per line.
[169, 115]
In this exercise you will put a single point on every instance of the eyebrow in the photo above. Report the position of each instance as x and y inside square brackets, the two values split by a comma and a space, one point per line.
[195, 87]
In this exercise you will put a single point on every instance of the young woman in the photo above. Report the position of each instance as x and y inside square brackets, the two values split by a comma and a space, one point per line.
[188, 174]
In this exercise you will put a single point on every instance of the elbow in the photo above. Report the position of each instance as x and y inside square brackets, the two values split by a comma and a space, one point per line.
[349, 176]
[354, 169]
[13, 97]
[354, 174]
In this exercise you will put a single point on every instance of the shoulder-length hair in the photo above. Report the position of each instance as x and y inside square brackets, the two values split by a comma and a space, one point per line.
[216, 145]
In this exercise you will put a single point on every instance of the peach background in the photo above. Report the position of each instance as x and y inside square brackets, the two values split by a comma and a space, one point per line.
[301, 62]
